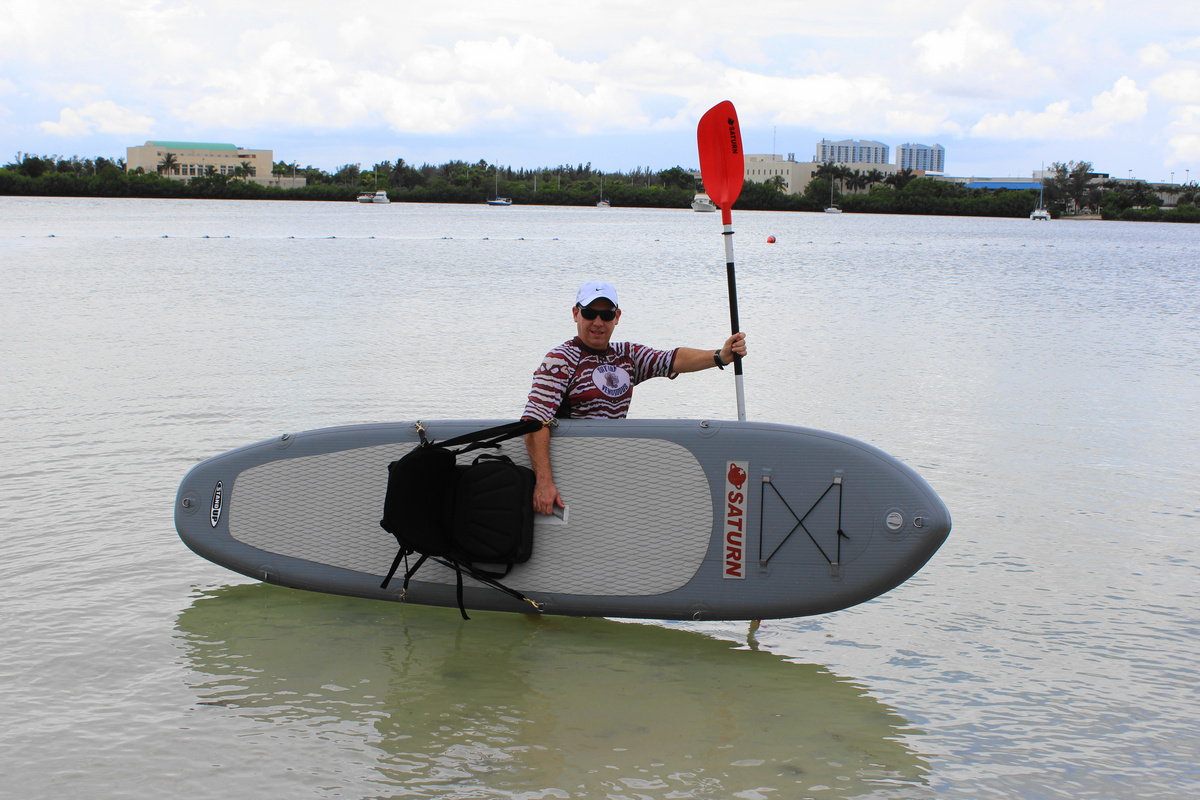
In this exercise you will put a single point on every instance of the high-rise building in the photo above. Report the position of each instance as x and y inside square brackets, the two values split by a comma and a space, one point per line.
[922, 157]
[851, 151]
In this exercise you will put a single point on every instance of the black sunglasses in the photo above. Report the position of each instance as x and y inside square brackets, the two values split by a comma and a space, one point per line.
[606, 314]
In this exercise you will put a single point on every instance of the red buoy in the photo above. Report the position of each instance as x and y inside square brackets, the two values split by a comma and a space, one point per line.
[770, 240]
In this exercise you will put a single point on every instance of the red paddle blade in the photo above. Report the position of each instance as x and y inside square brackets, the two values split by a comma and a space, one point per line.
[722, 165]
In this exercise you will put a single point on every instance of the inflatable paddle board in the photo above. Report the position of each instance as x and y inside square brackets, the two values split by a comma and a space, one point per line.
[665, 519]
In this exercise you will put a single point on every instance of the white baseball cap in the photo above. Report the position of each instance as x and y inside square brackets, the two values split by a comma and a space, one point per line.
[594, 290]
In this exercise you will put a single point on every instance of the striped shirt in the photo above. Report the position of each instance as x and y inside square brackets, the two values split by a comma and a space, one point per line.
[576, 382]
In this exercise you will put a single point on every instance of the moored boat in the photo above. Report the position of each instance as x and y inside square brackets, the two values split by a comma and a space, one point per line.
[497, 200]
[831, 208]
[1041, 212]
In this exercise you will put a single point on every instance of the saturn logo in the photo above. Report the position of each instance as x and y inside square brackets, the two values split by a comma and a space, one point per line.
[215, 515]
[735, 520]
[736, 476]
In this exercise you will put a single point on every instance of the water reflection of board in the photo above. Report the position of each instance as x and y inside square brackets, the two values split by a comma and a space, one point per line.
[668, 519]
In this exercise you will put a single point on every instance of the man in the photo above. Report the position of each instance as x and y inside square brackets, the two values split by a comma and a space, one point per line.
[589, 378]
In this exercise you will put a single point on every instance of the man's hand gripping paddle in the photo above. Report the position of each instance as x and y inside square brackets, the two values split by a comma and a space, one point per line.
[722, 168]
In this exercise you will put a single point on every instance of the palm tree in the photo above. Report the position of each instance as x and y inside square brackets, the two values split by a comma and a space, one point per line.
[168, 163]
[873, 177]
[899, 179]
[827, 170]
[843, 173]
[857, 180]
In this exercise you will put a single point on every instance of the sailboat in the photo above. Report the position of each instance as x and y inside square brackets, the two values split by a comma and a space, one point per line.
[832, 209]
[498, 200]
[1040, 212]
[603, 203]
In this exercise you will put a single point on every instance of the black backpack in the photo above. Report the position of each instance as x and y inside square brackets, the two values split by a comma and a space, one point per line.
[475, 519]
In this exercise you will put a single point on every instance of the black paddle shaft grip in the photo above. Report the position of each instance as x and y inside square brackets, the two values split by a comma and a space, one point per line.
[733, 312]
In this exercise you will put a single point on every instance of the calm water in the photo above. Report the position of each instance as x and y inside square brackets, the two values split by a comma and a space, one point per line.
[1045, 379]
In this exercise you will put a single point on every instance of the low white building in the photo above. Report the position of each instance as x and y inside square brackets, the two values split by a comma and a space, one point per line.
[765, 168]
[192, 160]
[797, 174]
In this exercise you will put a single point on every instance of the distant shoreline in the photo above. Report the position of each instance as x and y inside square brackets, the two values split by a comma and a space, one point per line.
[919, 197]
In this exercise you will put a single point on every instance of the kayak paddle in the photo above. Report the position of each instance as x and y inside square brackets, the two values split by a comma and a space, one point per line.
[722, 168]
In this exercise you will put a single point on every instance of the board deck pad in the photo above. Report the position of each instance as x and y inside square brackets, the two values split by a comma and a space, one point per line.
[668, 518]
[636, 505]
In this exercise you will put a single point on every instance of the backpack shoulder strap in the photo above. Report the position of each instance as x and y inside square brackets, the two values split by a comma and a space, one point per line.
[564, 405]
[488, 437]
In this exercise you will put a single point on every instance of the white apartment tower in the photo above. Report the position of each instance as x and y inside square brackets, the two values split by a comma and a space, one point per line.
[851, 151]
[922, 157]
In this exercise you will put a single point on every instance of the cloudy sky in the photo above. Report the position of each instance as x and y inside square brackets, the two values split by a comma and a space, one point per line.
[1003, 85]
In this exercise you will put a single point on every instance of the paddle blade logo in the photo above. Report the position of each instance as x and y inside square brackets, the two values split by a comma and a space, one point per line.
[735, 519]
[215, 514]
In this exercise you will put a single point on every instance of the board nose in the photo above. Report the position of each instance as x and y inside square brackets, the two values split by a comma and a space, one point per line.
[933, 524]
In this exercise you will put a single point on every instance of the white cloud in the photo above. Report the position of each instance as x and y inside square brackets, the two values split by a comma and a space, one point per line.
[71, 93]
[104, 116]
[973, 59]
[431, 90]
[1123, 103]
[1154, 55]
[1184, 141]
[1178, 86]
[1181, 88]
[651, 63]
[474, 83]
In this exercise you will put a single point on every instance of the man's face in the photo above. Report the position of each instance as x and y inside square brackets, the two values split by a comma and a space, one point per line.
[595, 333]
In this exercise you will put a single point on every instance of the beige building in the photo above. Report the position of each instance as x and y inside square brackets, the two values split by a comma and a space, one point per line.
[192, 159]
[796, 174]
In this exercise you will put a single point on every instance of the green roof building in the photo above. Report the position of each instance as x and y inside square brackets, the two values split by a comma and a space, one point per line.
[189, 160]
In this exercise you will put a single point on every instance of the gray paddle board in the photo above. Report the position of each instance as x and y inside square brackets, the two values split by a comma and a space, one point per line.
[666, 519]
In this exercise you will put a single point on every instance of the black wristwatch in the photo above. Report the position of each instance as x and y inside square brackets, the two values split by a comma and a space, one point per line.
[717, 359]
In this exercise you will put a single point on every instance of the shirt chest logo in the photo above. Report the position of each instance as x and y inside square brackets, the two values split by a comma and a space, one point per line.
[611, 380]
